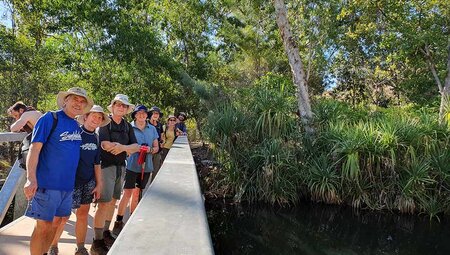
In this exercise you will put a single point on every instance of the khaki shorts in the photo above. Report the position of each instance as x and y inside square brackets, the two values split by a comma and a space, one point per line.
[112, 183]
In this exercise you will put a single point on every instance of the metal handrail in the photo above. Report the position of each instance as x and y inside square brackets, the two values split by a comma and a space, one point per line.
[12, 137]
[15, 176]
[10, 188]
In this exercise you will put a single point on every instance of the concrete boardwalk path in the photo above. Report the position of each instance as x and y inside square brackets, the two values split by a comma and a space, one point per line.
[170, 218]
[15, 237]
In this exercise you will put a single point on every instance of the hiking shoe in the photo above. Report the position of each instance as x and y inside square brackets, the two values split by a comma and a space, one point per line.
[118, 226]
[98, 247]
[82, 251]
[53, 250]
[108, 238]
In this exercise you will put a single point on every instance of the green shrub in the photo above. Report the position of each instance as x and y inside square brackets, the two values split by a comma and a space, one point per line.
[367, 157]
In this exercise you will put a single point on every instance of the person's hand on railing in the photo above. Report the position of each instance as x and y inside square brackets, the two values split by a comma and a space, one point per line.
[30, 188]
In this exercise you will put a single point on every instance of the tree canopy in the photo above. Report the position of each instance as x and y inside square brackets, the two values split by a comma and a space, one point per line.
[175, 54]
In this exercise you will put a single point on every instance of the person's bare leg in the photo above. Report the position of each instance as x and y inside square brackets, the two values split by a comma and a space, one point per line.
[124, 201]
[134, 199]
[81, 224]
[56, 224]
[100, 215]
[41, 231]
[110, 211]
[59, 224]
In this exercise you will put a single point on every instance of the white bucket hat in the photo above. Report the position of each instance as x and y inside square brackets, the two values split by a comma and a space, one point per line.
[74, 91]
[99, 109]
[124, 100]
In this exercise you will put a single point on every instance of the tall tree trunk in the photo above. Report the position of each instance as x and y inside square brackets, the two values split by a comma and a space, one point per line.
[13, 18]
[445, 94]
[14, 94]
[432, 66]
[444, 90]
[297, 69]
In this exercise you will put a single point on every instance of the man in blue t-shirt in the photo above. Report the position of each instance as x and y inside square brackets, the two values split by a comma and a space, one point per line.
[51, 166]
[88, 180]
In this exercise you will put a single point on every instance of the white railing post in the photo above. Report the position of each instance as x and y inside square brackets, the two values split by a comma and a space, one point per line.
[9, 188]
[13, 181]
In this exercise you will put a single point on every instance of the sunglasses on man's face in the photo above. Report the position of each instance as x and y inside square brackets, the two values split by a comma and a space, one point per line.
[121, 105]
[172, 120]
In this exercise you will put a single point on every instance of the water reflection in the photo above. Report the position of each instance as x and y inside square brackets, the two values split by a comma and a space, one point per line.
[323, 230]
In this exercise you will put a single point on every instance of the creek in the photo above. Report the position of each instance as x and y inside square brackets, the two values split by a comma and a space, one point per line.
[317, 229]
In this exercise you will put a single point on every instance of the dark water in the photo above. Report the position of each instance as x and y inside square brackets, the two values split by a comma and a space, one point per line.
[314, 229]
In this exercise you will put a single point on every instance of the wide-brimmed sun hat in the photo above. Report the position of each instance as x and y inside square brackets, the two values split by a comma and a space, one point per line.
[182, 114]
[156, 109]
[137, 109]
[124, 100]
[99, 109]
[74, 91]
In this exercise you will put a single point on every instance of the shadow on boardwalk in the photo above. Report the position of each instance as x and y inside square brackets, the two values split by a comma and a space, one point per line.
[15, 237]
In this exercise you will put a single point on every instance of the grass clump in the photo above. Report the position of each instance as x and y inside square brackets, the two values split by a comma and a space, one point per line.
[367, 157]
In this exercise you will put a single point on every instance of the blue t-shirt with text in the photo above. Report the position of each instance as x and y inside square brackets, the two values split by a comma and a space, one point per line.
[60, 152]
[89, 156]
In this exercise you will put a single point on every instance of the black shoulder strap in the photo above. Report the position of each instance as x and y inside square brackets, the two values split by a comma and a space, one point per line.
[98, 138]
[109, 126]
[54, 124]
[127, 127]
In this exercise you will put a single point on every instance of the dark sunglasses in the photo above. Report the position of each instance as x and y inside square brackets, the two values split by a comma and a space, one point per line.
[121, 105]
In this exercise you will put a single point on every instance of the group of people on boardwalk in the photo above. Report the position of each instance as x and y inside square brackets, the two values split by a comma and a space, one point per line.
[80, 154]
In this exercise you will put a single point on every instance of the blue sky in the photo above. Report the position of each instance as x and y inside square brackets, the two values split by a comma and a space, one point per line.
[5, 15]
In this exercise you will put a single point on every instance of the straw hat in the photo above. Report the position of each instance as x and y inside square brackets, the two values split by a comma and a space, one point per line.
[99, 109]
[124, 100]
[74, 91]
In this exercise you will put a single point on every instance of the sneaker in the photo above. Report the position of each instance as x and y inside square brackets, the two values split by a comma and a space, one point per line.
[109, 239]
[118, 226]
[82, 251]
[98, 247]
[53, 250]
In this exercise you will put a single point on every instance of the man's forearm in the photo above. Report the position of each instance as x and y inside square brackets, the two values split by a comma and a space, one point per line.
[155, 146]
[132, 148]
[107, 145]
[18, 125]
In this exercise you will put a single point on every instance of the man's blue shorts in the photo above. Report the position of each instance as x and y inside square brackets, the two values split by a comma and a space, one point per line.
[46, 204]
